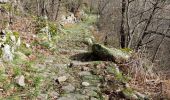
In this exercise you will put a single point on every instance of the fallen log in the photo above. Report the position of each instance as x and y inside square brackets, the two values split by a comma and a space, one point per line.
[104, 53]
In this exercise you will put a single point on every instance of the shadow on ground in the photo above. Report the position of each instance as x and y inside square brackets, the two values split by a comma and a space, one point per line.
[85, 57]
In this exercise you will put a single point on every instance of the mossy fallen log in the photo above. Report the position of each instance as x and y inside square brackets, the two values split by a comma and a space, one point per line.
[113, 54]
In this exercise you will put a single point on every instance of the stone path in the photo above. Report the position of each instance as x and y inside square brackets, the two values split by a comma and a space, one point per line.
[69, 79]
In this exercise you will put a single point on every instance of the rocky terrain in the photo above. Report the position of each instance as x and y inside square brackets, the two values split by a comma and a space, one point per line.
[69, 64]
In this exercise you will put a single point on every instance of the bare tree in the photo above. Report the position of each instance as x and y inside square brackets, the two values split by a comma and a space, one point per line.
[141, 23]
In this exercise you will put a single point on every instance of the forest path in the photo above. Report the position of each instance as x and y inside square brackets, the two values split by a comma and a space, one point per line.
[66, 76]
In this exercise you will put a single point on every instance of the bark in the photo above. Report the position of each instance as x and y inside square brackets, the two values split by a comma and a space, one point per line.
[122, 28]
[58, 9]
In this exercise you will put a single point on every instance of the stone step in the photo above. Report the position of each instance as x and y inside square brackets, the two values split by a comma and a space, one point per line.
[72, 51]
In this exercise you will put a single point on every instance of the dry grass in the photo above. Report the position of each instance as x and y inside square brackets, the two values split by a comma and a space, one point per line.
[145, 80]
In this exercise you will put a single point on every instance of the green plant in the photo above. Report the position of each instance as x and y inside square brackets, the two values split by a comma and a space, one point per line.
[25, 50]
[17, 70]
[118, 75]
[7, 7]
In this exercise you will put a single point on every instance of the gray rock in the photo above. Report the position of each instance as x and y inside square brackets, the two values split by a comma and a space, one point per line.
[84, 73]
[141, 96]
[78, 64]
[62, 79]
[88, 41]
[48, 61]
[54, 95]
[90, 93]
[68, 88]
[68, 97]
[4, 1]
[92, 98]
[81, 97]
[40, 66]
[73, 96]
[85, 84]
[20, 80]
[62, 68]
[130, 96]
[42, 97]
[86, 69]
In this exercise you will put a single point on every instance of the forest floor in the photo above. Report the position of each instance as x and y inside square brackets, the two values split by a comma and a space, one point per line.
[66, 72]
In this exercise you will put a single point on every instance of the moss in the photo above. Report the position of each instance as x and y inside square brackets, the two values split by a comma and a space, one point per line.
[17, 71]
[110, 54]
[6, 6]
[25, 50]
[118, 75]
[128, 92]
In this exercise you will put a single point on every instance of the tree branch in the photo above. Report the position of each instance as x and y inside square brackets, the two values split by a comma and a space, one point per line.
[157, 33]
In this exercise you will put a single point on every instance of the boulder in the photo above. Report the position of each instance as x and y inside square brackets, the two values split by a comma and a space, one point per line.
[7, 55]
[113, 54]
[20, 80]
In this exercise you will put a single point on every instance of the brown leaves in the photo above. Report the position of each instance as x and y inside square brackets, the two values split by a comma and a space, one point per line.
[32, 57]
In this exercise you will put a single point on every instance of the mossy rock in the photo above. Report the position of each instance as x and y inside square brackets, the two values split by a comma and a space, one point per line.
[113, 54]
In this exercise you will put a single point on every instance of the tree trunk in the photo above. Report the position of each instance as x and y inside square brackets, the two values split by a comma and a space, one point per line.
[122, 27]
[58, 9]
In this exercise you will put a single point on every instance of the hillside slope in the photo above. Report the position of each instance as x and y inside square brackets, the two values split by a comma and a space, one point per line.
[64, 68]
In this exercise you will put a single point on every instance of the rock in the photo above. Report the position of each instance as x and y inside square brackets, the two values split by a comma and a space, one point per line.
[134, 97]
[74, 96]
[4, 1]
[64, 98]
[42, 97]
[92, 98]
[61, 79]
[70, 19]
[13, 38]
[62, 68]
[84, 73]
[48, 61]
[114, 54]
[27, 45]
[34, 36]
[20, 80]
[7, 55]
[54, 95]
[78, 63]
[141, 96]
[21, 56]
[90, 92]
[129, 95]
[18, 42]
[40, 66]
[85, 84]
[68, 97]
[88, 41]
[69, 88]
[85, 69]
